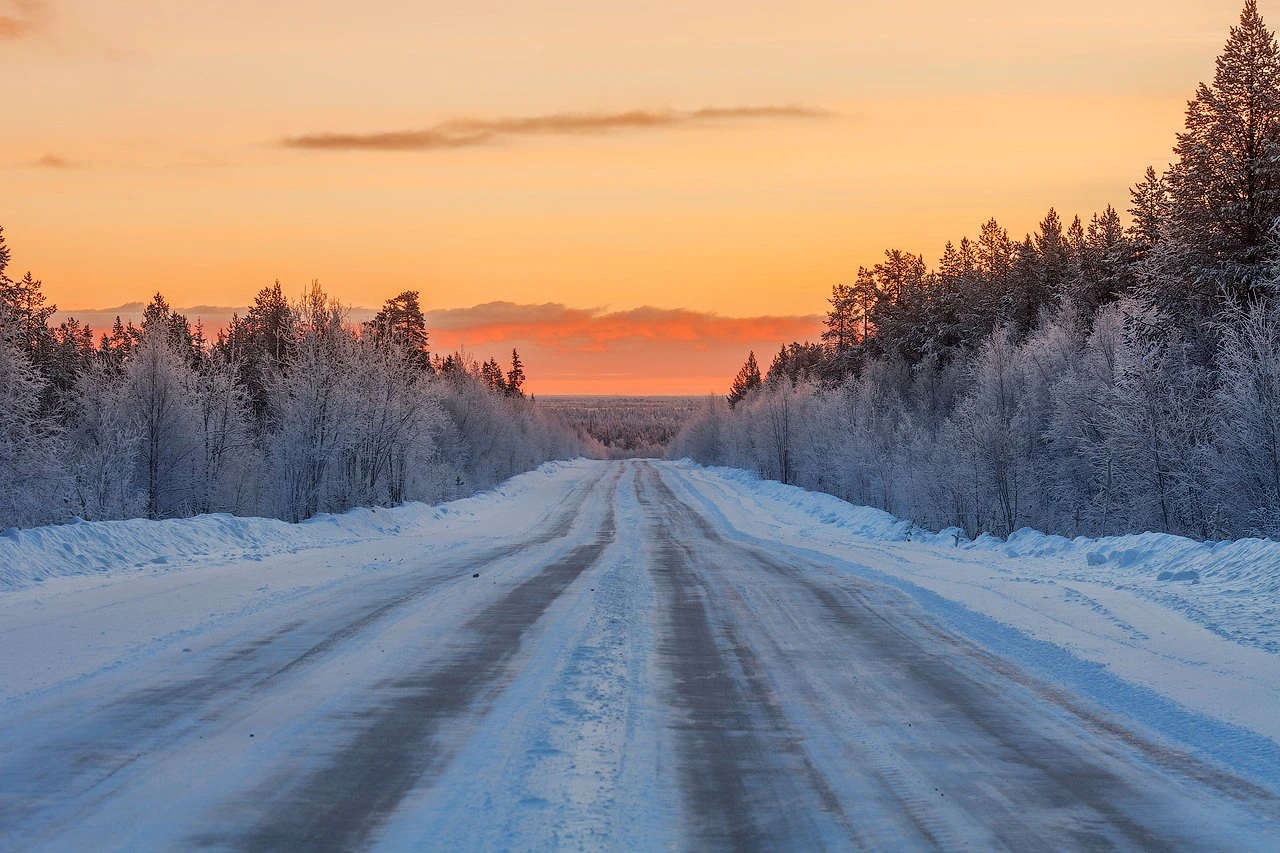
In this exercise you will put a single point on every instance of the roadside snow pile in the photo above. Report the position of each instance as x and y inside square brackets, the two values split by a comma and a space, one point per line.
[1232, 588]
[860, 520]
[85, 547]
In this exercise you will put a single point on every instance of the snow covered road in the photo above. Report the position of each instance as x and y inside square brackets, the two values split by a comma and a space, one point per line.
[599, 658]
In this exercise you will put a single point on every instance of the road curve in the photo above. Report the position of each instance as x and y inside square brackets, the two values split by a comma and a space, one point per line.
[627, 673]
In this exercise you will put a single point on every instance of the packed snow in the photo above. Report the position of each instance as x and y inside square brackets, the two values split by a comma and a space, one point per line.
[226, 666]
[1207, 642]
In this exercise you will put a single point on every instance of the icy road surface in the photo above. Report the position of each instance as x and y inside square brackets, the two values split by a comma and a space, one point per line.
[598, 661]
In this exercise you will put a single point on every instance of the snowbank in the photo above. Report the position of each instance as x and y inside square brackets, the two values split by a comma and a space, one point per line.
[84, 547]
[1231, 588]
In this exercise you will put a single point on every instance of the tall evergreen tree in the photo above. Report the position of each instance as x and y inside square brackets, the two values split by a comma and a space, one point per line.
[401, 318]
[515, 376]
[842, 327]
[491, 374]
[747, 380]
[1150, 200]
[1224, 189]
[1053, 249]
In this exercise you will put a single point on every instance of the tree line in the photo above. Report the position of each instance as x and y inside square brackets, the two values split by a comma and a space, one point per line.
[289, 411]
[1095, 377]
[624, 427]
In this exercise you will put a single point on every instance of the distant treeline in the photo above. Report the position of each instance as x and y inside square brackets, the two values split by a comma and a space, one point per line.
[289, 411]
[624, 427]
[1095, 377]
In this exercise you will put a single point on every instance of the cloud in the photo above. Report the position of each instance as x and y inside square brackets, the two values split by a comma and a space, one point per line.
[597, 351]
[53, 161]
[558, 327]
[467, 133]
[21, 18]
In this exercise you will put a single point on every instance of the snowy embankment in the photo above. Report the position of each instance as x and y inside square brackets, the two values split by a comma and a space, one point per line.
[35, 555]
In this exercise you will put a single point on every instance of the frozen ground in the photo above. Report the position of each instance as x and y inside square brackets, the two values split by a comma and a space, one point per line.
[632, 655]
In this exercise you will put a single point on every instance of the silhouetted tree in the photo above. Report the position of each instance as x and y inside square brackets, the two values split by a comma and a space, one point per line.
[515, 376]
[747, 380]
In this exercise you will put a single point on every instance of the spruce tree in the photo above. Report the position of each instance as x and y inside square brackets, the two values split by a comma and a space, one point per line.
[4, 256]
[515, 376]
[1150, 200]
[747, 380]
[491, 374]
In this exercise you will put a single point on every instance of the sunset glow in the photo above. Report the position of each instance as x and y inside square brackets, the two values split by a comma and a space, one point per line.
[621, 177]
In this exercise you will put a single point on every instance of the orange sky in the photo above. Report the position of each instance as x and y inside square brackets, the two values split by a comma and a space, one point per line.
[719, 157]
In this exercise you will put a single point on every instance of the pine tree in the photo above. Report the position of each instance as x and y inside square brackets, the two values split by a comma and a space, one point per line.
[841, 332]
[1026, 294]
[1150, 200]
[864, 297]
[401, 318]
[903, 302]
[24, 301]
[747, 380]
[1054, 252]
[1224, 189]
[262, 345]
[160, 319]
[491, 374]
[515, 376]
[4, 257]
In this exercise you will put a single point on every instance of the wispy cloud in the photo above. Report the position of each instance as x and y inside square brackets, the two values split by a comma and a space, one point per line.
[21, 18]
[53, 161]
[466, 133]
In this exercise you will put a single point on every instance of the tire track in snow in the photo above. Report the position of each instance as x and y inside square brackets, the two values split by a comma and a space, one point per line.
[746, 779]
[1022, 760]
[403, 741]
[102, 746]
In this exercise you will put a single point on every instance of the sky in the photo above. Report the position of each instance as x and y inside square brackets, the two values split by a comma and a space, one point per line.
[634, 194]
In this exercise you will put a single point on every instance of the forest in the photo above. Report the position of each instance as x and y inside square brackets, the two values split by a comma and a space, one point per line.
[288, 412]
[624, 427]
[1098, 376]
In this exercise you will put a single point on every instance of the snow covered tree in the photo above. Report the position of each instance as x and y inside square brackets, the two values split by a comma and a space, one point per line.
[401, 318]
[226, 454]
[1224, 188]
[1150, 200]
[158, 389]
[158, 319]
[903, 284]
[103, 447]
[308, 406]
[1247, 417]
[391, 422]
[31, 475]
[262, 345]
[1156, 420]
